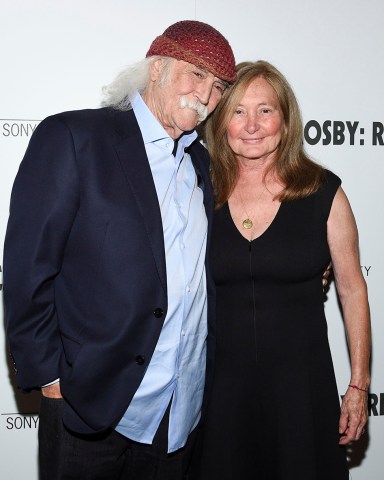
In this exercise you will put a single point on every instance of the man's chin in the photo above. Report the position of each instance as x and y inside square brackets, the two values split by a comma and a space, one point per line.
[189, 126]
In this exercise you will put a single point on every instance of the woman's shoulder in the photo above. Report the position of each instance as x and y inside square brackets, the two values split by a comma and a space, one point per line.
[331, 179]
[327, 191]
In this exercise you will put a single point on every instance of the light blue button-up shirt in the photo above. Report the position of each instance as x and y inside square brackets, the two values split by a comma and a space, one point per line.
[177, 368]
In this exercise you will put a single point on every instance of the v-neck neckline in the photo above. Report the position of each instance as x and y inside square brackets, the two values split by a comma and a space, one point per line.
[259, 237]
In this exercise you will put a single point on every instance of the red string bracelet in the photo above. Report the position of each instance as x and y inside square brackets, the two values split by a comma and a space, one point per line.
[358, 388]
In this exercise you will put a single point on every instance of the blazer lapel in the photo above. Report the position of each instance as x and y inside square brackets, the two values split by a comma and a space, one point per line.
[200, 161]
[134, 162]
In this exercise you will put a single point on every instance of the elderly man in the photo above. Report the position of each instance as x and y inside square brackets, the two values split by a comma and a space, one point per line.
[108, 299]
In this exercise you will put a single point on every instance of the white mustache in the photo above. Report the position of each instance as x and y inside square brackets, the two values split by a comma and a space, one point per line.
[202, 110]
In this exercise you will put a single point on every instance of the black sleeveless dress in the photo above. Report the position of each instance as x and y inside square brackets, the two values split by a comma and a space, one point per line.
[274, 408]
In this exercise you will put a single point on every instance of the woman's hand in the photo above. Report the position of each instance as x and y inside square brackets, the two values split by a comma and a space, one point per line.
[354, 415]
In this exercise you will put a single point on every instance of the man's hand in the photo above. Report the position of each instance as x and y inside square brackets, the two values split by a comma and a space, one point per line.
[326, 277]
[52, 391]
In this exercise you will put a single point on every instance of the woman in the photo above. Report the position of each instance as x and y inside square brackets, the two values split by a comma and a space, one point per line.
[274, 411]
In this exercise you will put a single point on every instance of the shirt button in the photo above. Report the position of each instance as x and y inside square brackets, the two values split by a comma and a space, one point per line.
[158, 312]
[140, 360]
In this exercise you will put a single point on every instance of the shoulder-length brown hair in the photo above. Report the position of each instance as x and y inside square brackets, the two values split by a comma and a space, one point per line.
[299, 175]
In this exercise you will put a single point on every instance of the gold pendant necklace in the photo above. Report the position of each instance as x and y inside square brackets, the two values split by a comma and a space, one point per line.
[247, 223]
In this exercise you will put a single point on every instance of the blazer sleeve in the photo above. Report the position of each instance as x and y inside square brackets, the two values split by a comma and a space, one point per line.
[44, 202]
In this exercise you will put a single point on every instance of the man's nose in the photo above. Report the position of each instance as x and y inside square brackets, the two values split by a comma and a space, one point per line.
[203, 93]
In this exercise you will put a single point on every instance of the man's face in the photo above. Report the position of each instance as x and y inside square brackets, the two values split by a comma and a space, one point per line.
[185, 98]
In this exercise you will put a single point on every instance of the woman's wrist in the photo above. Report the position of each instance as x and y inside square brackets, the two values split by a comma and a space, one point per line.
[360, 389]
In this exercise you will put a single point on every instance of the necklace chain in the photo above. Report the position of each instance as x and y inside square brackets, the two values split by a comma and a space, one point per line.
[247, 223]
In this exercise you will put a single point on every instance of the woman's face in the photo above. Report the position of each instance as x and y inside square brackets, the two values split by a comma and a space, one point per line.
[254, 131]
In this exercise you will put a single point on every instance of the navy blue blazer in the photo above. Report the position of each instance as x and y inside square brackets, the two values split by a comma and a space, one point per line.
[85, 287]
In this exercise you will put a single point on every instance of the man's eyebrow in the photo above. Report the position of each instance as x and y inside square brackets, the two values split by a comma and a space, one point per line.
[223, 82]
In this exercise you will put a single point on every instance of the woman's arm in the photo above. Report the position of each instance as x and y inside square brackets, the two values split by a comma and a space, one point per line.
[352, 290]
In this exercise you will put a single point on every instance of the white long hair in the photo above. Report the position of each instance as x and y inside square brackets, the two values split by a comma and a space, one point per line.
[134, 78]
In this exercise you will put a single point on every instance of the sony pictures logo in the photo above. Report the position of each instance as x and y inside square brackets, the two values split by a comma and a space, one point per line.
[21, 421]
[18, 127]
[333, 132]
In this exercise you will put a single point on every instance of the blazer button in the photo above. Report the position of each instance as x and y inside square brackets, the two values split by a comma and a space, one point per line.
[158, 312]
[140, 360]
